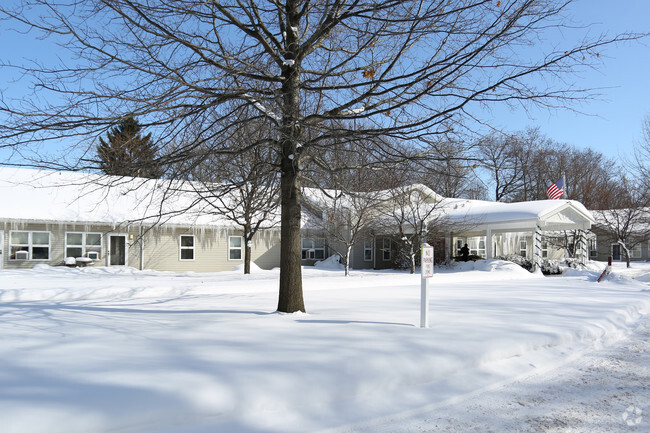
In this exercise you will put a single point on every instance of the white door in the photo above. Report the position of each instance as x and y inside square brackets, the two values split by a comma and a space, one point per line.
[2, 246]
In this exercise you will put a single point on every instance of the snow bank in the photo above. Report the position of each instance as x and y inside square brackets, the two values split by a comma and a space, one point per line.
[331, 263]
[254, 268]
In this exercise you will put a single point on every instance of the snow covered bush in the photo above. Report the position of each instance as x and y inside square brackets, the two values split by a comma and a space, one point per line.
[519, 260]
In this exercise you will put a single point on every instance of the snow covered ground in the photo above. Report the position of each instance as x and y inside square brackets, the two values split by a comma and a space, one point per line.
[119, 350]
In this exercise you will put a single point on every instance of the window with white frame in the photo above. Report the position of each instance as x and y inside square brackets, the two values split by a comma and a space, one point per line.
[186, 247]
[235, 245]
[477, 246]
[385, 251]
[544, 249]
[367, 250]
[25, 245]
[635, 252]
[523, 248]
[79, 244]
[313, 248]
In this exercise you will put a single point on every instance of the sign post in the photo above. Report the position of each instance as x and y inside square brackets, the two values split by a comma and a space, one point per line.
[426, 255]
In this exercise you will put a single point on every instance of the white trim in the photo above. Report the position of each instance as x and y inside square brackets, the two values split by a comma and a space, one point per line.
[2, 249]
[240, 249]
[181, 248]
[30, 245]
[368, 246]
[524, 242]
[84, 245]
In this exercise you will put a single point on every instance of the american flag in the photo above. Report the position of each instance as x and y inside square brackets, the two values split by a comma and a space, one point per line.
[556, 190]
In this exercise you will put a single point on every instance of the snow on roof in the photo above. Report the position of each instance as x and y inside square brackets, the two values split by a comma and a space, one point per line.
[75, 197]
[549, 214]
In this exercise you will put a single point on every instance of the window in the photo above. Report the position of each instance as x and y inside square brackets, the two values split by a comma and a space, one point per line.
[187, 247]
[367, 250]
[635, 252]
[593, 250]
[544, 249]
[235, 247]
[477, 246]
[523, 248]
[83, 245]
[385, 251]
[29, 245]
[313, 248]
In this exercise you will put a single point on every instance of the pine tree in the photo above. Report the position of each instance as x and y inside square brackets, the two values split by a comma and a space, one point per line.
[127, 153]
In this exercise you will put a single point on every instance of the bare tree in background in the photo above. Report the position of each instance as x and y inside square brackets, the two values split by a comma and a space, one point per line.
[409, 213]
[241, 185]
[642, 157]
[317, 70]
[249, 198]
[627, 221]
[348, 216]
[450, 170]
[500, 155]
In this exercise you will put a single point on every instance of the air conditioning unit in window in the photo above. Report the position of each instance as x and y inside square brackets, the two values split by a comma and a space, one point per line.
[21, 255]
[93, 255]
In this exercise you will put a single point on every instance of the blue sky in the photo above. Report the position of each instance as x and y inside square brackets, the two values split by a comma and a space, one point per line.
[610, 125]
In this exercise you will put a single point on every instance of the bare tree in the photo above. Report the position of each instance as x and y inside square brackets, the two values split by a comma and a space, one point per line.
[450, 170]
[410, 212]
[317, 70]
[628, 221]
[242, 185]
[641, 162]
[249, 198]
[501, 158]
[347, 217]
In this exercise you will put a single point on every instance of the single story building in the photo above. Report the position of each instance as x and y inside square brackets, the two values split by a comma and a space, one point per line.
[538, 230]
[46, 217]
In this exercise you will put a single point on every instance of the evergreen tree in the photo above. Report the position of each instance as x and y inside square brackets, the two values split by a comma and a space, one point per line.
[127, 153]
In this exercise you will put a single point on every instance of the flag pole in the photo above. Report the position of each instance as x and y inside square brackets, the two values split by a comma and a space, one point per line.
[566, 196]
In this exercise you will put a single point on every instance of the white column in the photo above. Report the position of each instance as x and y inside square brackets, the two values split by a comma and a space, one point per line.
[581, 247]
[489, 247]
[537, 249]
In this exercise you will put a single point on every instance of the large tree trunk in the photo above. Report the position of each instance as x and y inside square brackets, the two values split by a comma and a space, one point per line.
[290, 296]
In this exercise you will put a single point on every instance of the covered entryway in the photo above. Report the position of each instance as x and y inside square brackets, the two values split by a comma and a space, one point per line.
[488, 219]
[117, 250]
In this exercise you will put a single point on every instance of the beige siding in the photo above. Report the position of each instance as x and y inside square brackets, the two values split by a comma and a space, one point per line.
[161, 247]
[57, 242]
[162, 251]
